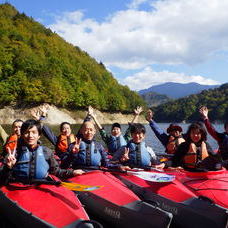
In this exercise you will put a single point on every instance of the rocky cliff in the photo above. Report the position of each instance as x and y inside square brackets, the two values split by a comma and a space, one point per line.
[55, 116]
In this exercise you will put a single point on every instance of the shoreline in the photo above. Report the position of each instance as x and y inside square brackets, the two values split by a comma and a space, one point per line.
[58, 115]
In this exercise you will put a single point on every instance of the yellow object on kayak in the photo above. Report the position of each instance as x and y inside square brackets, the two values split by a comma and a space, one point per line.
[163, 159]
[79, 187]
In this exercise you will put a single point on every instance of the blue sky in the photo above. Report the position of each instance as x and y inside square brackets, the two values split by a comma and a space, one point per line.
[143, 42]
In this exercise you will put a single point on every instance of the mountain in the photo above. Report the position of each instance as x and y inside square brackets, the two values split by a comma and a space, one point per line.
[177, 90]
[37, 65]
[154, 99]
[187, 108]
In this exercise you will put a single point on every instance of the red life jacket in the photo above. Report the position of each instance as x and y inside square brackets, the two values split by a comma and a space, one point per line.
[64, 142]
[11, 143]
[193, 155]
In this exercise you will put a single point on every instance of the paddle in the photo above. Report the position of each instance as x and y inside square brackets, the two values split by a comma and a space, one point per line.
[140, 173]
[69, 185]
[152, 176]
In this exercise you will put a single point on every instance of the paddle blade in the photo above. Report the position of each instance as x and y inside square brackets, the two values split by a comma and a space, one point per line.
[154, 177]
[79, 187]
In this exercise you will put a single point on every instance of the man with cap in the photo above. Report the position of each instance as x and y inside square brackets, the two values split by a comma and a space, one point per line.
[172, 139]
[115, 140]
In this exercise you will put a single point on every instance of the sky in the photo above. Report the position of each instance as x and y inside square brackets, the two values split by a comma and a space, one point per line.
[143, 42]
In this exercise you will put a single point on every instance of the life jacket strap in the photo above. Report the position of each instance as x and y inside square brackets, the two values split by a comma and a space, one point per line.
[88, 154]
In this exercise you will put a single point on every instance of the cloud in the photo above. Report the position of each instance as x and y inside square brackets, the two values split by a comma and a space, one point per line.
[170, 32]
[147, 78]
[136, 3]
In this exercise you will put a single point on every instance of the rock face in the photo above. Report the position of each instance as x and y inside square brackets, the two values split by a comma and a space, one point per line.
[56, 116]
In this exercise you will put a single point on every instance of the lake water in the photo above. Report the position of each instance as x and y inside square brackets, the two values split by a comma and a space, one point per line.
[151, 139]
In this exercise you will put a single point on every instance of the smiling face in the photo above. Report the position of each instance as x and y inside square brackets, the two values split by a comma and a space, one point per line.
[31, 136]
[88, 130]
[138, 137]
[195, 135]
[17, 128]
[116, 131]
[66, 129]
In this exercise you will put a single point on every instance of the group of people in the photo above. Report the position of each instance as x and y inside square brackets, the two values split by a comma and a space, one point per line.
[24, 158]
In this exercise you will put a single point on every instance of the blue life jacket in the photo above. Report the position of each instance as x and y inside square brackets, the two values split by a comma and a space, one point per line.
[116, 143]
[138, 155]
[223, 147]
[31, 164]
[88, 155]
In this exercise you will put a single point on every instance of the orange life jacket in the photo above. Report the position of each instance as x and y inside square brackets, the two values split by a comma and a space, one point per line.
[11, 143]
[64, 142]
[173, 143]
[195, 155]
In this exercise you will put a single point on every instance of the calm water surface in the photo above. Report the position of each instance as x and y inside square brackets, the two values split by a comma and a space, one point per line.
[151, 139]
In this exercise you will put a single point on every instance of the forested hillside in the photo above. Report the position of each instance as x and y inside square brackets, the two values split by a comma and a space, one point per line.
[36, 65]
[186, 109]
[154, 99]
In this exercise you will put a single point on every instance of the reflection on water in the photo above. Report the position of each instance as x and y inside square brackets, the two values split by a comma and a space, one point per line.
[151, 139]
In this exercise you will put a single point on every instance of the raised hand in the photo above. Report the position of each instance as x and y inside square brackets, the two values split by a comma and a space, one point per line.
[10, 152]
[91, 111]
[149, 115]
[125, 156]
[35, 113]
[10, 160]
[204, 112]
[76, 146]
[138, 110]
[92, 114]
[44, 109]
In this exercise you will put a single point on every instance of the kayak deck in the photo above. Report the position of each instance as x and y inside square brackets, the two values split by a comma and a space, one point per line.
[188, 209]
[117, 204]
[44, 205]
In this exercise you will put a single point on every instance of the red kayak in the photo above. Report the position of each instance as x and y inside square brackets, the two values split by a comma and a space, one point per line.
[187, 208]
[41, 206]
[115, 204]
[211, 184]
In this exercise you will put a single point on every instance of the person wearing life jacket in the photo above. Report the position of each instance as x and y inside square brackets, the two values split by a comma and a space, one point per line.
[195, 154]
[170, 140]
[86, 151]
[31, 160]
[115, 140]
[65, 138]
[220, 137]
[61, 142]
[11, 140]
[136, 153]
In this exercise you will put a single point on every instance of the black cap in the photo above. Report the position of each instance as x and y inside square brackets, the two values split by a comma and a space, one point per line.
[116, 125]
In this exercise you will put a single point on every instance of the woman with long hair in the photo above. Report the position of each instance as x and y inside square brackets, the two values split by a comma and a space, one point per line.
[195, 154]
